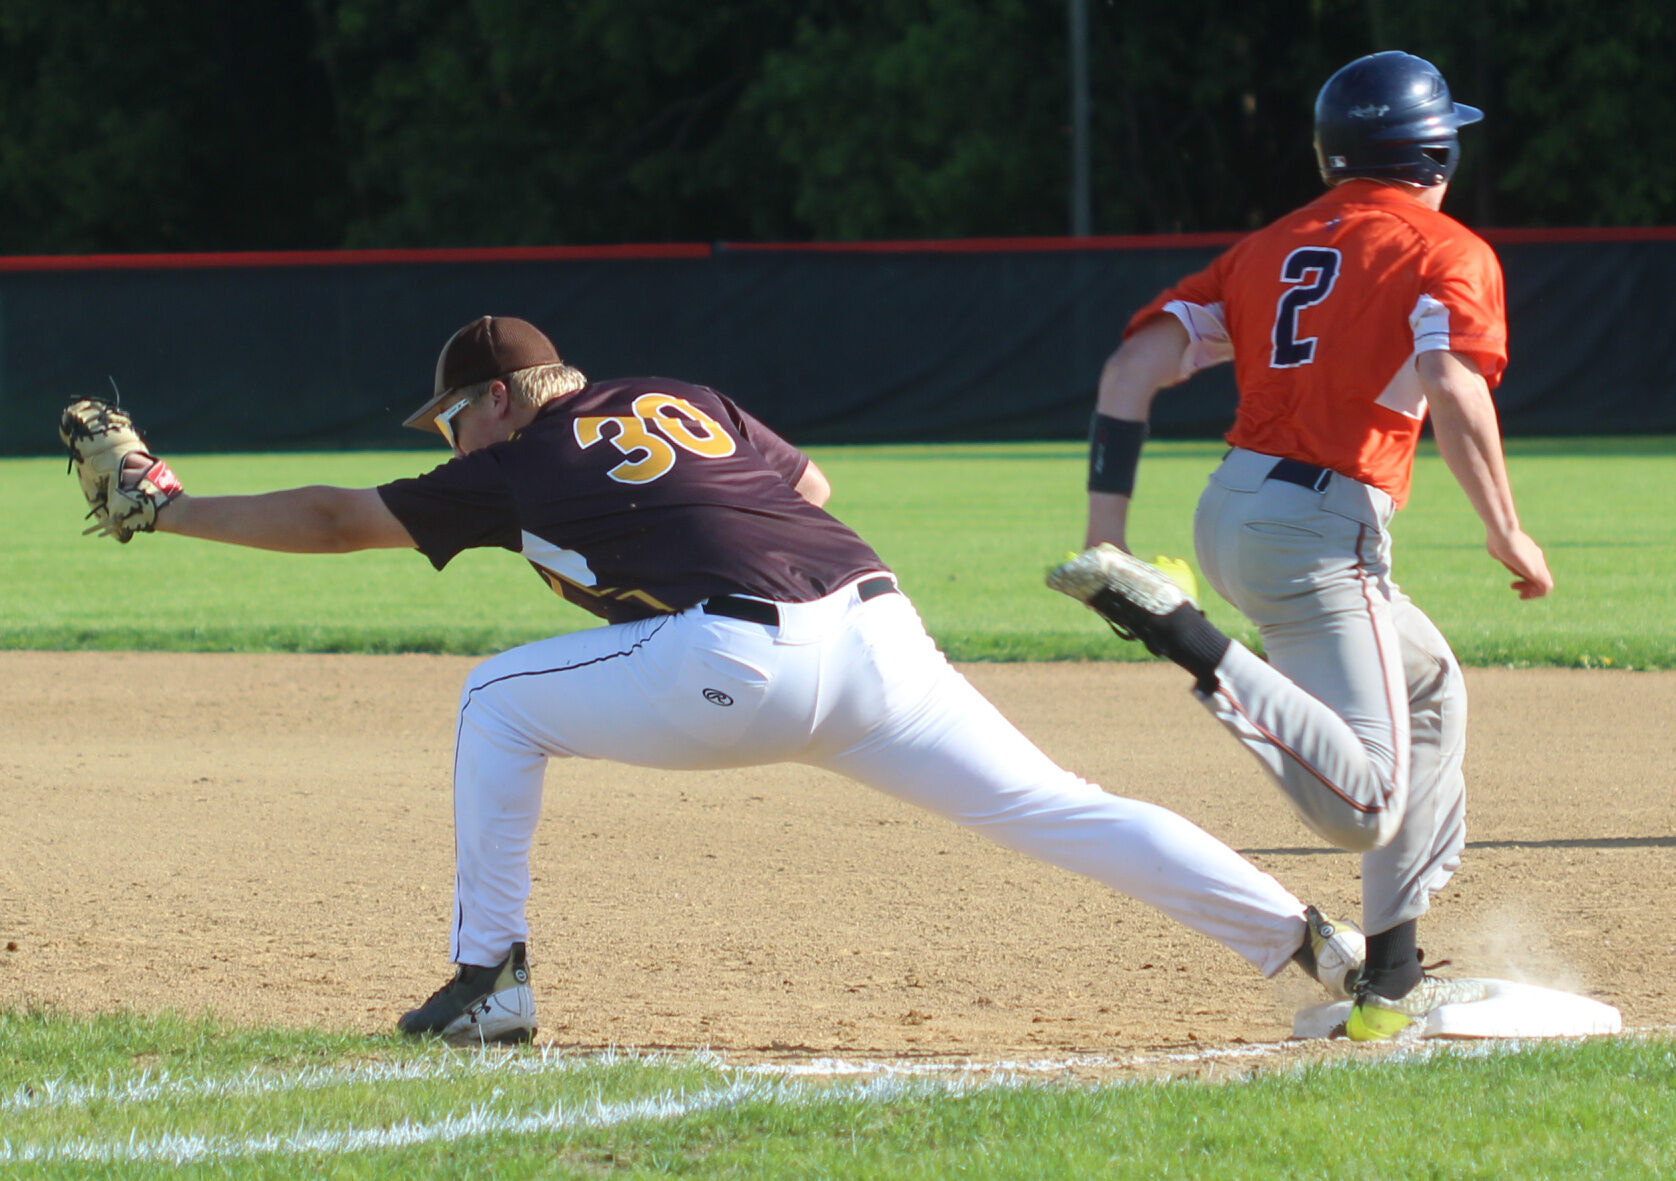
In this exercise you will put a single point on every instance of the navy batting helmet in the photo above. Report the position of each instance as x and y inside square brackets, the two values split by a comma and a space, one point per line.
[1389, 115]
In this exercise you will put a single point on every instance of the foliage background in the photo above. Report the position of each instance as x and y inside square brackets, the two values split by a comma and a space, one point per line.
[175, 125]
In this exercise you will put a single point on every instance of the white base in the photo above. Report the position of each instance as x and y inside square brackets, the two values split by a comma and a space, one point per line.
[1511, 1010]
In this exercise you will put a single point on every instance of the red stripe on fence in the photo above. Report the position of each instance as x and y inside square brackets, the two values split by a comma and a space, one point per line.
[341, 258]
[1514, 236]
[993, 245]
[695, 250]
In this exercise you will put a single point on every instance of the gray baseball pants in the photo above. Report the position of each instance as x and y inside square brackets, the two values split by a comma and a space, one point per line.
[1360, 711]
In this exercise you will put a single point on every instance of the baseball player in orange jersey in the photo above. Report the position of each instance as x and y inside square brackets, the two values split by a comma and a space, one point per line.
[1347, 321]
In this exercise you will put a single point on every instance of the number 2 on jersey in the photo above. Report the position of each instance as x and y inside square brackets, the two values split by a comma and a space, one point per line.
[1310, 272]
[644, 439]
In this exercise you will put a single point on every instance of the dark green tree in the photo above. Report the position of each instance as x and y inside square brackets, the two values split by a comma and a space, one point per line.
[552, 121]
[1578, 105]
[142, 125]
[922, 118]
[145, 125]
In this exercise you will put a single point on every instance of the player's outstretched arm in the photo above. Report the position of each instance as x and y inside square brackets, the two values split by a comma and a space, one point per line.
[1144, 364]
[1469, 439]
[318, 519]
[129, 490]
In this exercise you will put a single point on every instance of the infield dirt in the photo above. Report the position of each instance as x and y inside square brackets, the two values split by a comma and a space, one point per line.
[269, 839]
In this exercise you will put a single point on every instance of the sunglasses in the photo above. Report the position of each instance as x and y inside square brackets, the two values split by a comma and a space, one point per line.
[445, 421]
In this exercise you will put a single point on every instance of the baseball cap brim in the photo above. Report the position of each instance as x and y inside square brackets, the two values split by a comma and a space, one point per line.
[487, 348]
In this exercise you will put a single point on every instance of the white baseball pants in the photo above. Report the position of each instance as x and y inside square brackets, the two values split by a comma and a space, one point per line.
[853, 686]
[1360, 712]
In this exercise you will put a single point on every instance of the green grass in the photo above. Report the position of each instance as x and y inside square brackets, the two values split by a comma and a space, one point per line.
[137, 1097]
[970, 530]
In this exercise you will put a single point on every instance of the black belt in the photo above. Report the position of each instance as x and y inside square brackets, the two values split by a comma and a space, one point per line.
[759, 611]
[1304, 475]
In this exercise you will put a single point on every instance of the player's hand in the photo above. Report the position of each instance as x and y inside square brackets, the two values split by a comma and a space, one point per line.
[1524, 558]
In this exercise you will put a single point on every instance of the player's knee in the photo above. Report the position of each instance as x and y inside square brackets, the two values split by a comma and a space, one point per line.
[1362, 832]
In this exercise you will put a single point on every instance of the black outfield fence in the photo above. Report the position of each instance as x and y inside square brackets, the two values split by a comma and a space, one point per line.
[868, 342]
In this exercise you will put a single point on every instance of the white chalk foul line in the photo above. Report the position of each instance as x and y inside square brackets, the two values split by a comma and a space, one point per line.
[1097, 1063]
[149, 1087]
[182, 1149]
[784, 1084]
[874, 1068]
[185, 1149]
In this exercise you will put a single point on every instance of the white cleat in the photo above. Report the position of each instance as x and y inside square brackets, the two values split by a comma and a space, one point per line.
[1333, 953]
[1131, 595]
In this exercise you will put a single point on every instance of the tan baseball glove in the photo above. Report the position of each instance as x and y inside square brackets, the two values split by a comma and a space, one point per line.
[124, 483]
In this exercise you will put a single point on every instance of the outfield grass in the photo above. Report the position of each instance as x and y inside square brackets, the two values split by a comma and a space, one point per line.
[136, 1097]
[970, 530]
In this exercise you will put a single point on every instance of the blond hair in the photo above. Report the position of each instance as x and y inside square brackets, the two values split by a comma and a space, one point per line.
[536, 386]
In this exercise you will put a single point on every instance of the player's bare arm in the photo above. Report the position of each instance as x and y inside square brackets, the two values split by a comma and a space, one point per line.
[813, 485]
[318, 519]
[1144, 364]
[1469, 439]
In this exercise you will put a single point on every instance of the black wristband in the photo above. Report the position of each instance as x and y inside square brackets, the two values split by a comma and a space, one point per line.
[1114, 452]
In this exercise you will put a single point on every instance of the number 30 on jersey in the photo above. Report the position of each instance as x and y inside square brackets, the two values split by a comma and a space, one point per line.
[1309, 273]
[660, 424]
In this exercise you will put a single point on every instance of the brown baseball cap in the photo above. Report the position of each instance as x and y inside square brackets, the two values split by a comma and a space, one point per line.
[487, 348]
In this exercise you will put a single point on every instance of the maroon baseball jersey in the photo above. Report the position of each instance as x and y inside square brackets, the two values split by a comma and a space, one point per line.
[639, 497]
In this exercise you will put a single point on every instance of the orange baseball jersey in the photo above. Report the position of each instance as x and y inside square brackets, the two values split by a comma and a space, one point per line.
[1323, 313]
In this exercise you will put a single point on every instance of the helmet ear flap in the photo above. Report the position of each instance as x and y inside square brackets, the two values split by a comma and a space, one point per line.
[1445, 157]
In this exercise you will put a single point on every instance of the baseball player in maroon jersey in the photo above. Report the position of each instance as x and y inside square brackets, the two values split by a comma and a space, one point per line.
[1346, 320]
[744, 626]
